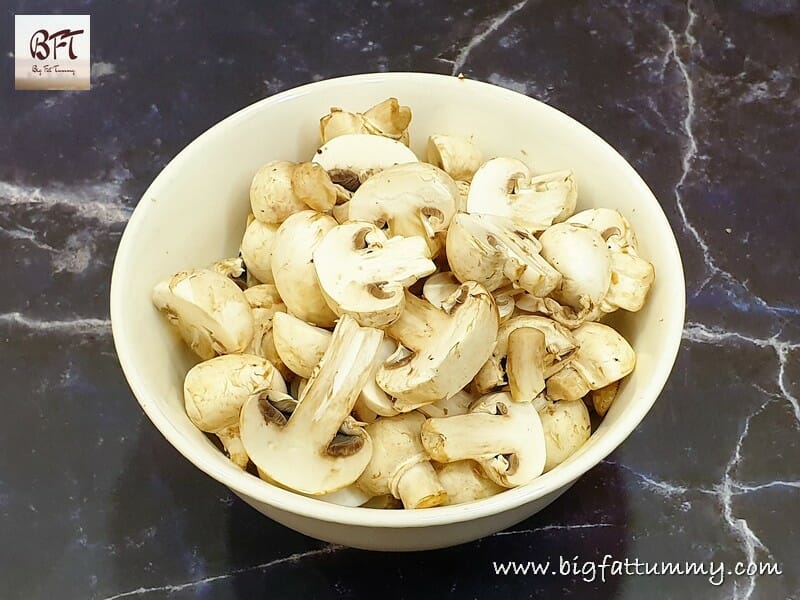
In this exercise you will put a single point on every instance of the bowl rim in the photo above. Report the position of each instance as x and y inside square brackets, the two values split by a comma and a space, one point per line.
[243, 483]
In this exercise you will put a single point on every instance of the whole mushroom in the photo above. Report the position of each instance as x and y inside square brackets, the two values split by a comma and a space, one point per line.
[464, 481]
[567, 426]
[293, 266]
[256, 249]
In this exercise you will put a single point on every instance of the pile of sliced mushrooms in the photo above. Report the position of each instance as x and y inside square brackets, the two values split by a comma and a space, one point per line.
[398, 333]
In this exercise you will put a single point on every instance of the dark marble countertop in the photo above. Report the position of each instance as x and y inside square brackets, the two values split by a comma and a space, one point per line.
[703, 99]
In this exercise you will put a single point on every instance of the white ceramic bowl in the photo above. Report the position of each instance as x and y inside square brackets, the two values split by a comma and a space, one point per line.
[194, 213]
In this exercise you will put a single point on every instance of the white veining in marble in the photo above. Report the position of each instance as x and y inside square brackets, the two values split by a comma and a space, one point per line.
[497, 22]
[552, 528]
[172, 588]
[78, 326]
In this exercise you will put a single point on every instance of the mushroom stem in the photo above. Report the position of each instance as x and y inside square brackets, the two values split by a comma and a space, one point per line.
[475, 435]
[419, 487]
[525, 363]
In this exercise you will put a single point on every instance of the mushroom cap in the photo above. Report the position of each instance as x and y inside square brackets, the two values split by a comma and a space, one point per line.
[209, 310]
[272, 198]
[293, 266]
[442, 349]
[603, 357]
[631, 276]
[560, 345]
[456, 155]
[492, 185]
[493, 251]
[395, 447]
[215, 390]
[299, 453]
[351, 159]
[362, 273]
[413, 199]
[503, 436]
[399, 464]
[504, 187]
[607, 222]
[299, 345]
[581, 256]
[567, 426]
[256, 249]
[465, 481]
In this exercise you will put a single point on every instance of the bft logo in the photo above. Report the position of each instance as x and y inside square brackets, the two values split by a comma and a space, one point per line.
[51, 52]
[43, 43]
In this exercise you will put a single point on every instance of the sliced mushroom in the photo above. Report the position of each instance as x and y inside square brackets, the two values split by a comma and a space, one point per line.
[442, 349]
[362, 273]
[566, 426]
[305, 452]
[297, 387]
[414, 199]
[464, 481]
[505, 299]
[399, 465]
[215, 390]
[564, 315]
[209, 311]
[463, 194]
[493, 251]
[299, 345]
[352, 159]
[503, 436]
[272, 198]
[373, 401]
[559, 346]
[580, 254]
[264, 303]
[631, 275]
[457, 156]
[313, 186]
[341, 212]
[256, 249]
[232, 268]
[293, 266]
[603, 398]
[387, 118]
[525, 363]
[347, 496]
[504, 187]
[439, 287]
[603, 357]
[385, 502]
[457, 404]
